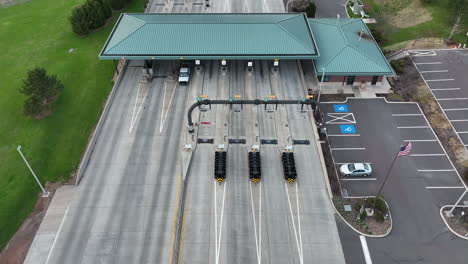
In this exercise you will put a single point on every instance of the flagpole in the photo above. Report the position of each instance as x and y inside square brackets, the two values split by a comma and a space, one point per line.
[386, 177]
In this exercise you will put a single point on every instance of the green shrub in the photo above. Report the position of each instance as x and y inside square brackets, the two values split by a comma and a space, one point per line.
[398, 65]
[310, 10]
[363, 215]
[377, 203]
[379, 217]
[117, 4]
[91, 15]
[40, 89]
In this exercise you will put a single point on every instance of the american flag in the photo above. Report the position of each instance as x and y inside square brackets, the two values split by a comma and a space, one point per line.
[405, 150]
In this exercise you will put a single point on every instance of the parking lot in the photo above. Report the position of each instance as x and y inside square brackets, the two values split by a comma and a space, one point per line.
[372, 130]
[444, 72]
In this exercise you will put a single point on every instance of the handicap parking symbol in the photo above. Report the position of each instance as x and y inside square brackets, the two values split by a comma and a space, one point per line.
[340, 108]
[347, 129]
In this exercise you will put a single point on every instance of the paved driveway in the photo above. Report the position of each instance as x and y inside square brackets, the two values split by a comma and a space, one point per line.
[419, 184]
[445, 73]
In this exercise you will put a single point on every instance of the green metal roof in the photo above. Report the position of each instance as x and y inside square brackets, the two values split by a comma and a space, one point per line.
[210, 36]
[347, 48]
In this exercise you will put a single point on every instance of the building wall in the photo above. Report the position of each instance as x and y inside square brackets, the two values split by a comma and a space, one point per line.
[357, 80]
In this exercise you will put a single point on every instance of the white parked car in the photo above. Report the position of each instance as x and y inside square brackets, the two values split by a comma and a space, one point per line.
[356, 169]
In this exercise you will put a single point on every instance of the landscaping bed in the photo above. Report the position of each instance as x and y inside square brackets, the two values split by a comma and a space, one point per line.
[364, 215]
[458, 223]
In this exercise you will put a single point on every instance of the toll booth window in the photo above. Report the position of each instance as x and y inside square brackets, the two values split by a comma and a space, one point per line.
[326, 78]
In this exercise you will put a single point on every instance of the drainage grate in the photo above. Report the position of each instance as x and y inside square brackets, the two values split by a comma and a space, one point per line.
[237, 141]
[301, 142]
[269, 141]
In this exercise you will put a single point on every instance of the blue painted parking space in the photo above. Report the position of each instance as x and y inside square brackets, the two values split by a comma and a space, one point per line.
[347, 129]
[340, 108]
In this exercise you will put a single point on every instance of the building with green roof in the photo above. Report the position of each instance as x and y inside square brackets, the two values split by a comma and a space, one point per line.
[342, 49]
[348, 52]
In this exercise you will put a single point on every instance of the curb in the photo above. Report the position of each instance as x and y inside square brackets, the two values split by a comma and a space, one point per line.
[97, 130]
[445, 221]
[364, 234]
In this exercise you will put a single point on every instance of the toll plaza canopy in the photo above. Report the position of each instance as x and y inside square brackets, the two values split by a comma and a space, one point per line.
[210, 36]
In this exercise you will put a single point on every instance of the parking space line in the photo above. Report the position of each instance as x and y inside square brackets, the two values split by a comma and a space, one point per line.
[445, 89]
[445, 187]
[365, 250]
[406, 114]
[421, 63]
[436, 170]
[456, 109]
[427, 155]
[462, 132]
[450, 99]
[433, 71]
[413, 127]
[440, 80]
[459, 120]
[419, 140]
[347, 148]
[344, 135]
[359, 179]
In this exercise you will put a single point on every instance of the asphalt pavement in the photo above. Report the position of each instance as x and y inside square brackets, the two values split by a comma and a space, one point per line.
[444, 72]
[372, 130]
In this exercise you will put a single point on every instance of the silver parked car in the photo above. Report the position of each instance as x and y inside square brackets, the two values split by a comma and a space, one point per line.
[355, 169]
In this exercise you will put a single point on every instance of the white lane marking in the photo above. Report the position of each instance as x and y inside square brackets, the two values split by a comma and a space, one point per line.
[459, 120]
[347, 148]
[135, 118]
[406, 114]
[439, 80]
[449, 99]
[423, 53]
[403, 127]
[349, 162]
[218, 241]
[419, 140]
[299, 221]
[301, 259]
[445, 187]
[456, 109]
[258, 244]
[58, 234]
[341, 118]
[163, 120]
[433, 71]
[462, 132]
[421, 63]
[345, 135]
[359, 179]
[365, 250]
[427, 155]
[445, 89]
[436, 170]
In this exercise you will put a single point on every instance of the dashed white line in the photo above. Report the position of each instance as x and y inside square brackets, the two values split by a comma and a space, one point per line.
[403, 127]
[406, 114]
[445, 187]
[433, 71]
[450, 99]
[436, 170]
[421, 63]
[456, 109]
[439, 80]
[427, 155]
[445, 89]
[347, 148]
[365, 250]
[359, 179]
[344, 135]
[419, 140]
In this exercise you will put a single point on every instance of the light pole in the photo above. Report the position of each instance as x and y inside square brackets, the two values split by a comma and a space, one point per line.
[44, 192]
[320, 86]
[287, 4]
